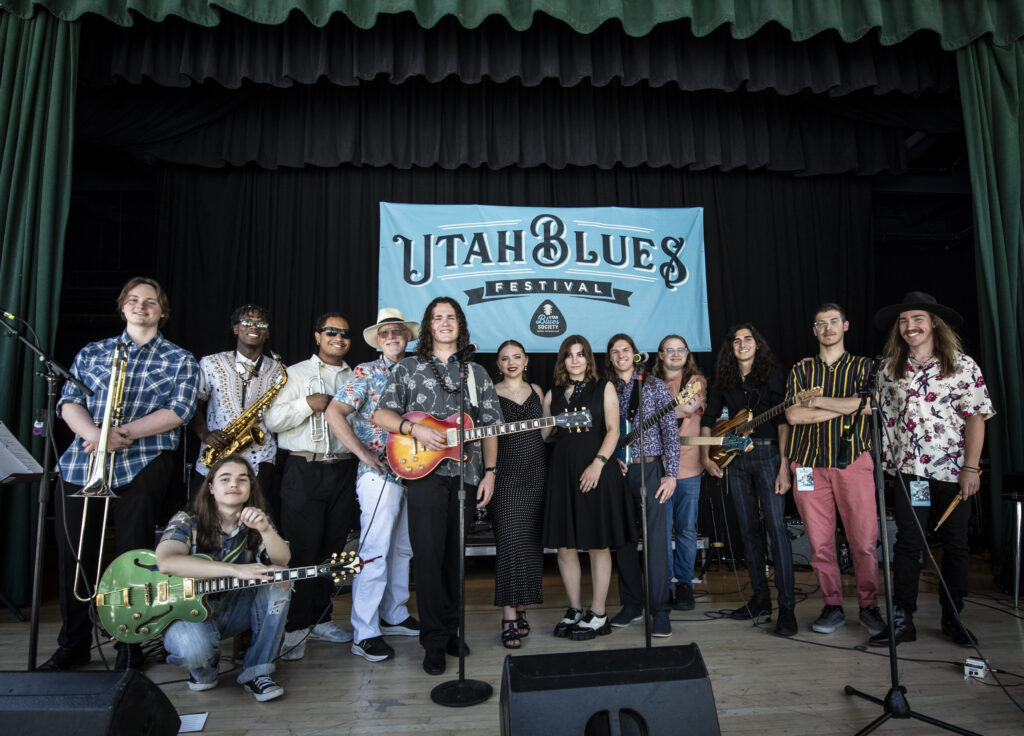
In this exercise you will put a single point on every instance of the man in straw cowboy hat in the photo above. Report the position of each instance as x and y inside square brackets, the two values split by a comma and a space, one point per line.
[380, 592]
[935, 404]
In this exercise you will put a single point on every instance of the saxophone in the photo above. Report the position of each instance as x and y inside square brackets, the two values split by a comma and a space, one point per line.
[245, 428]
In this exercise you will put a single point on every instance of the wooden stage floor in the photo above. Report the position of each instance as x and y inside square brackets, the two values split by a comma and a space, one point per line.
[762, 683]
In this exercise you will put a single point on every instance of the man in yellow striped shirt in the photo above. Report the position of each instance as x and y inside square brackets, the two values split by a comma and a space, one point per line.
[832, 468]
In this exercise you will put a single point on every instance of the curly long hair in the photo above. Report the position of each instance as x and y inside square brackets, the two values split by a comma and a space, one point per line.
[727, 369]
[425, 347]
[690, 368]
[945, 340]
[204, 506]
[561, 374]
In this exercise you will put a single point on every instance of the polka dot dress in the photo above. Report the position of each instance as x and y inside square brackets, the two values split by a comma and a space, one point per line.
[517, 508]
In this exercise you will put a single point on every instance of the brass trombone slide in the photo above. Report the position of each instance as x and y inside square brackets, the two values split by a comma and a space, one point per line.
[101, 467]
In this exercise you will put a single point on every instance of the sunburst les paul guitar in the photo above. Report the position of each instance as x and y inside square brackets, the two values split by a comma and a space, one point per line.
[743, 425]
[629, 434]
[135, 601]
[410, 459]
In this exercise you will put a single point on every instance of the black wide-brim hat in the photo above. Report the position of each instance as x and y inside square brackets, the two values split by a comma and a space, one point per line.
[886, 317]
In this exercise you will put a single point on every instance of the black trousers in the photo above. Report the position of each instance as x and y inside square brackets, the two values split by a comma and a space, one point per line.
[434, 534]
[631, 591]
[318, 510]
[133, 513]
[908, 552]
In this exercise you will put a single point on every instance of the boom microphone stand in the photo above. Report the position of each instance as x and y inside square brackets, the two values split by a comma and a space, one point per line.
[639, 388]
[51, 372]
[895, 704]
[462, 692]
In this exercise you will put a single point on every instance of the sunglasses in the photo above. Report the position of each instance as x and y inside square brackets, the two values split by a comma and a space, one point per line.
[336, 331]
[254, 323]
[391, 332]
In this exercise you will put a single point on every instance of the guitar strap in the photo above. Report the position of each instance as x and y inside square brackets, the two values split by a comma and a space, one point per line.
[634, 400]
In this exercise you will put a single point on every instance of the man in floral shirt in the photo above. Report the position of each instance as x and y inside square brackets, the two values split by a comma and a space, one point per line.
[935, 404]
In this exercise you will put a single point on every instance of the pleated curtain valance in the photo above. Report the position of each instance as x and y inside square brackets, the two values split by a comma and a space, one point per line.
[956, 22]
[175, 53]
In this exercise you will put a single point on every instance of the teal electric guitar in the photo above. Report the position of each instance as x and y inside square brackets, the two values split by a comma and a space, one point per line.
[628, 434]
[135, 601]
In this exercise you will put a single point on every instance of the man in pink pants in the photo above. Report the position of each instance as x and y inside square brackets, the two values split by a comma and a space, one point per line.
[832, 469]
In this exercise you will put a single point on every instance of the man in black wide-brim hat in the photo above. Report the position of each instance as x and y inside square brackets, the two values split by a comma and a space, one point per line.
[935, 404]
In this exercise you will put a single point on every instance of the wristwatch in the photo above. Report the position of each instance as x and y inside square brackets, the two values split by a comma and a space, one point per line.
[492, 469]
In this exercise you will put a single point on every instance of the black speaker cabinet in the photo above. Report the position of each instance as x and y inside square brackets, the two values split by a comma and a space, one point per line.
[84, 704]
[621, 692]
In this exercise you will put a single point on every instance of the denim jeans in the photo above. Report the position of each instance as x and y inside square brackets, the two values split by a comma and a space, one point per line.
[197, 645]
[682, 516]
[751, 478]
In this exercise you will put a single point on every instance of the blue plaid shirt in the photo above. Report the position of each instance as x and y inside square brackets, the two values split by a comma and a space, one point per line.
[160, 375]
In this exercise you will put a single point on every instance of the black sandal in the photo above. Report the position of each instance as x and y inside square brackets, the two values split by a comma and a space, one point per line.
[522, 624]
[509, 634]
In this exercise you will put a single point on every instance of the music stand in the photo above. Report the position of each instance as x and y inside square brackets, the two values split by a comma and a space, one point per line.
[462, 692]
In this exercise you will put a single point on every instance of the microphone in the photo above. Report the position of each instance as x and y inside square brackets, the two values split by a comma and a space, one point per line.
[640, 358]
[465, 353]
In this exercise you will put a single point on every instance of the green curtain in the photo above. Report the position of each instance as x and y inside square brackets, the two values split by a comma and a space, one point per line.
[992, 93]
[957, 22]
[38, 68]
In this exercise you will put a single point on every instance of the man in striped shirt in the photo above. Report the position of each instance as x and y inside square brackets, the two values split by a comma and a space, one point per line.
[832, 468]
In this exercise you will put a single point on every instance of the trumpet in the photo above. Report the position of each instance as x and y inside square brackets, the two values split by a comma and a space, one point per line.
[101, 466]
[317, 423]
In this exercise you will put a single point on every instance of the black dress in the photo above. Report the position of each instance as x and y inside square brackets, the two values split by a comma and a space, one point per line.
[517, 508]
[602, 517]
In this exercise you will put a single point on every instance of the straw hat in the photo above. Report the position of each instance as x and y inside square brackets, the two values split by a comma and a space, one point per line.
[388, 316]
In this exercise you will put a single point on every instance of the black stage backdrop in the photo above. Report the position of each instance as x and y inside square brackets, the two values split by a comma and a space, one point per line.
[302, 242]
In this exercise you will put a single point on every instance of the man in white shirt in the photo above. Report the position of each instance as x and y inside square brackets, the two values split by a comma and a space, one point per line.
[318, 486]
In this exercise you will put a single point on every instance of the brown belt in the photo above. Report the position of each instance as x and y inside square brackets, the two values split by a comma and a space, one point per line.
[649, 458]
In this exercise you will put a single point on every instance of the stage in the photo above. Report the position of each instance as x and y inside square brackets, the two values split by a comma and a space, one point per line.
[762, 683]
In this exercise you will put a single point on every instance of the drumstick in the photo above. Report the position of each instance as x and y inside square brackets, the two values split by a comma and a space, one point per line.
[949, 509]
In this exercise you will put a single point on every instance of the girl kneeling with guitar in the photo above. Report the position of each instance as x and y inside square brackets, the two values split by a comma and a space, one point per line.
[228, 521]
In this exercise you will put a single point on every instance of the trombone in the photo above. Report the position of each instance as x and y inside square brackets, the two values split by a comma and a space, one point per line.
[101, 466]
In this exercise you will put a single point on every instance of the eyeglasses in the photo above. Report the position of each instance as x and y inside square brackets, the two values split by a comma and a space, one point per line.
[821, 324]
[336, 331]
[254, 323]
[675, 351]
[386, 332]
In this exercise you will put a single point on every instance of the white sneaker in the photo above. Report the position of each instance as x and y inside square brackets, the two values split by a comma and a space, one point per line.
[294, 645]
[330, 631]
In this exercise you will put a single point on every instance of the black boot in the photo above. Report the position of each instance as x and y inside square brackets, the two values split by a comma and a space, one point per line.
[903, 621]
[758, 606]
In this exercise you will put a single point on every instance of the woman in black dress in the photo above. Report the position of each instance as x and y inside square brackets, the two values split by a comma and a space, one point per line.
[586, 508]
[518, 505]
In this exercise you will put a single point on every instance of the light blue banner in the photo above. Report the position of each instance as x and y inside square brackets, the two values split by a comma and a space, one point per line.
[536, 274]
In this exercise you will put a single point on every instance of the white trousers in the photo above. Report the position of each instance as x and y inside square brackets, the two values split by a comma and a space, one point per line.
[381, 590]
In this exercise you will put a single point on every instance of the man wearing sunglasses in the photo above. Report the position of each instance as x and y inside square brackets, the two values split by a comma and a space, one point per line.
[318, 486]
[228, 383]
[832, 468]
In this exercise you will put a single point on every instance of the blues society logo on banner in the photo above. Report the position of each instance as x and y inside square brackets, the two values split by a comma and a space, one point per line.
[536, 274]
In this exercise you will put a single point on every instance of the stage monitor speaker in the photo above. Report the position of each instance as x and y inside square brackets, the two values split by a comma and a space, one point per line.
[620, 692]
[84, 704]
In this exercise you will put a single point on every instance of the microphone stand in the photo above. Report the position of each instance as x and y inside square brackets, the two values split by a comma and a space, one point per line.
[895, 704]
[51, 372]
[462, 692]
[639, 388]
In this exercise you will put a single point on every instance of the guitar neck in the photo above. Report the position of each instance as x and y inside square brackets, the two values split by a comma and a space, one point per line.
[496, 430]
[217, 585]
[752, 424]
[701, 440]
[634, 434]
